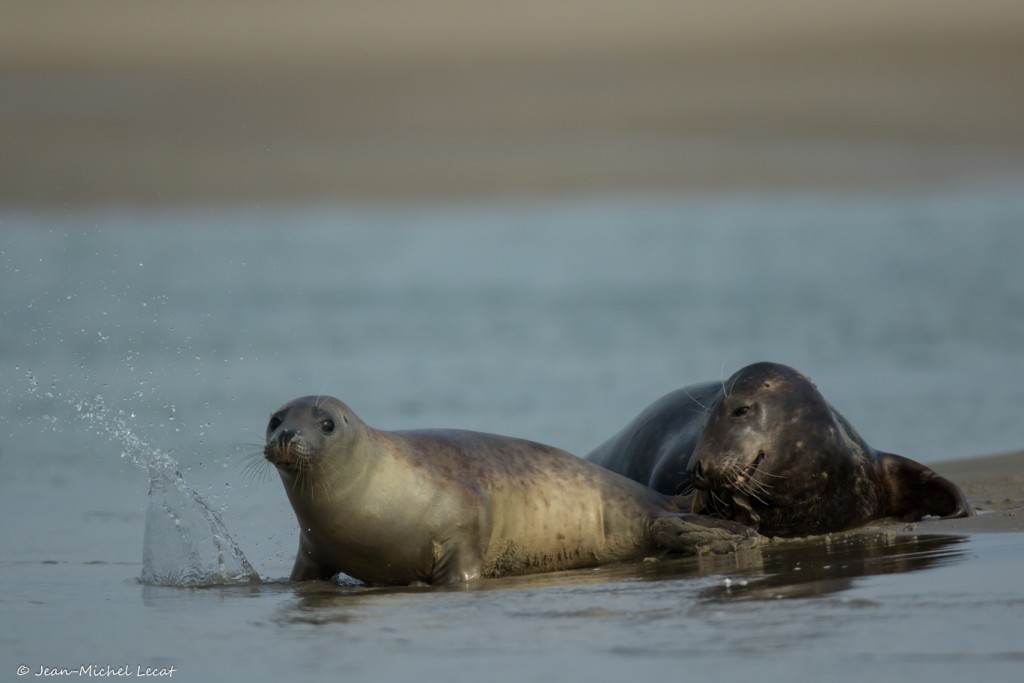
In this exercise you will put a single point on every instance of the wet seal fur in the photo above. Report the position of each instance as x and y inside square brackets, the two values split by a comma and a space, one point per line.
[448, 506]
[764, 448]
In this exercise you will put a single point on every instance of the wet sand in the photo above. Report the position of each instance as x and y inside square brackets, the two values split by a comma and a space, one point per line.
[226, 102]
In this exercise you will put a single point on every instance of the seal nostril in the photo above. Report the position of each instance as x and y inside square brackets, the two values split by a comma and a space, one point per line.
[700, 472]
[285, 437]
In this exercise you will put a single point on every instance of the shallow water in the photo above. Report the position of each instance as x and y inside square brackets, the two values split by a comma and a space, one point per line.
[928, 609]
[555, 321]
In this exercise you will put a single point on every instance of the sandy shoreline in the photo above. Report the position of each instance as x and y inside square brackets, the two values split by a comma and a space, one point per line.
[218, 102]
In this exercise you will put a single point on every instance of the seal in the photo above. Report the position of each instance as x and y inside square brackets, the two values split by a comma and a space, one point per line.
[449, 506]
[764, 448]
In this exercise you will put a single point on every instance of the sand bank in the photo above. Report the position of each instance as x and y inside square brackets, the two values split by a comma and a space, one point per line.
[230, 102]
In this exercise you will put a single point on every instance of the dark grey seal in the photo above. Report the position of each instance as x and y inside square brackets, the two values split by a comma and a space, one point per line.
[764, 448]
[448, 506]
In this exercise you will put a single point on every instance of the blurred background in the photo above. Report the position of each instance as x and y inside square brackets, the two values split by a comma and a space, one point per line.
[531, 218]
[247, 101]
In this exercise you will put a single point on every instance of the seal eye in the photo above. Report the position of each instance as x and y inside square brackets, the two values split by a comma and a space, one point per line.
[275, 422]
[327, 426]
[741, 411]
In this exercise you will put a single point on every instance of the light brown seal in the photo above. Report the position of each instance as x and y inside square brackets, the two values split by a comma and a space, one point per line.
[766, 449]
[448, 506]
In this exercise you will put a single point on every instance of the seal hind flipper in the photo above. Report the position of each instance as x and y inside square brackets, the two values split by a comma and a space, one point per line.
[696, 535]
[916, 491]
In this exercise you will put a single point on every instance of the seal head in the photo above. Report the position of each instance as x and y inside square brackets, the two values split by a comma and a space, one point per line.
[774, 455]
[301, 433]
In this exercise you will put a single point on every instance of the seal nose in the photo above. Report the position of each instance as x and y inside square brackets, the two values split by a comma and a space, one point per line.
[284, 437]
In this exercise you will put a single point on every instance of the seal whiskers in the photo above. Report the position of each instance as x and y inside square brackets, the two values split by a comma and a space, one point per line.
[254, 468]
[703, 408]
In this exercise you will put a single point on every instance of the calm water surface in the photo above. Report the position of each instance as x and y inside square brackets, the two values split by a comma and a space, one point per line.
[554, 321]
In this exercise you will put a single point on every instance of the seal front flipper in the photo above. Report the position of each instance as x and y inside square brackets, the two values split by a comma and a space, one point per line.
[915, 491]
[698, 535]
[307, 569]
[455, 561]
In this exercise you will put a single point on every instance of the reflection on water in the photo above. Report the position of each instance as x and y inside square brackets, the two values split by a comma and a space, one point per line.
[937, 607]
[789, 569]
[807, 569]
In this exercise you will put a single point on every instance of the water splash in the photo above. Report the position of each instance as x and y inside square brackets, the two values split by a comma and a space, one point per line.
[185, 542]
